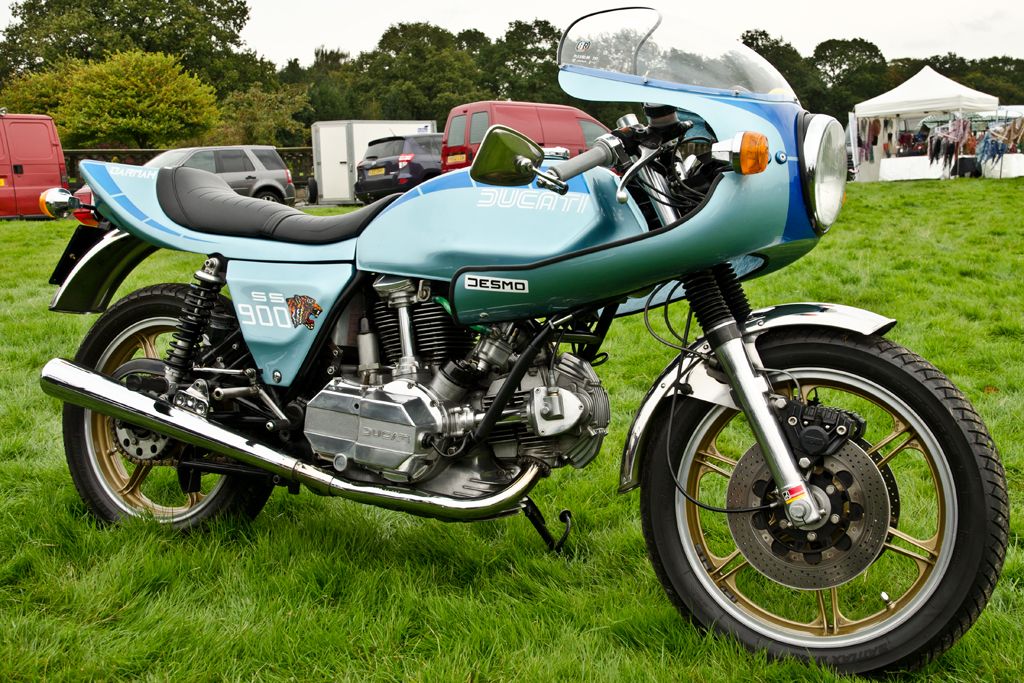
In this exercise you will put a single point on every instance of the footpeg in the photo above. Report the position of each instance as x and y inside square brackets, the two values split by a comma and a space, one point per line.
[533, 514]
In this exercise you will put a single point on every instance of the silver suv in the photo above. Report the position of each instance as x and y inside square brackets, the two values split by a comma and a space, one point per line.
[251, 170]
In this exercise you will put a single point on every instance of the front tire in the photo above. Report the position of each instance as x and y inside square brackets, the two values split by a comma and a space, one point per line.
[113, 480]
[945, 539]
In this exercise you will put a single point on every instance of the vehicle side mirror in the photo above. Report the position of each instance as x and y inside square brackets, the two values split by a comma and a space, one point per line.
[58, 202]
[506, 157]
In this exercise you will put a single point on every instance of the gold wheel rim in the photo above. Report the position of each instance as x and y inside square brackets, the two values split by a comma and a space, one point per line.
[827, 614]
[131, 484]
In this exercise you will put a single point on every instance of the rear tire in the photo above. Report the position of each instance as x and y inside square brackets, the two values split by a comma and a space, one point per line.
[940, 560]
[312, 191]
[115, 486]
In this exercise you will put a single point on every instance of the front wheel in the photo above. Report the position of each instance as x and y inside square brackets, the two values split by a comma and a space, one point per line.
[917, 521]
[123, 471]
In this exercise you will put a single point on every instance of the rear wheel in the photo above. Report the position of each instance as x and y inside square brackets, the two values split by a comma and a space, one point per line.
[917, 524]
[123, 471]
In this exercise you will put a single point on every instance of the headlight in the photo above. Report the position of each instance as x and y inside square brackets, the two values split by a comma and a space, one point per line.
[823, 166]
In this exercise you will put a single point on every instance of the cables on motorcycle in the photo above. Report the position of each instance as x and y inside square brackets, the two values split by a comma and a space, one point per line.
[684, 350]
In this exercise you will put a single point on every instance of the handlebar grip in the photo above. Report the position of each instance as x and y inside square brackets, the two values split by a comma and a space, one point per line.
[599, 155]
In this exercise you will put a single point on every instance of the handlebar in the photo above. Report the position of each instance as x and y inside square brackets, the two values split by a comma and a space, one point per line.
[600, 155]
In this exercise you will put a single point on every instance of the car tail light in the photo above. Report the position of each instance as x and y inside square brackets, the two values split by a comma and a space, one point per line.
[404, 159]
[64, 180]
[287, 177]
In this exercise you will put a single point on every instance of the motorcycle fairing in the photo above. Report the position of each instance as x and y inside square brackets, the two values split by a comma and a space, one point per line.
[127, 196]
[732, 112]
[452, 221]
[280, 308]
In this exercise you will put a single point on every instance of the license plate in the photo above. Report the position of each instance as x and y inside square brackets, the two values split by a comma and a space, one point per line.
[376, 171]
[456, 158]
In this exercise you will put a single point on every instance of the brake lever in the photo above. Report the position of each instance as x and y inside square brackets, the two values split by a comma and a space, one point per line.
[646, 155]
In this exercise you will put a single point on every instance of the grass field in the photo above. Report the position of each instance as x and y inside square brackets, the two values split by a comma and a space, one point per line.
[319, 589]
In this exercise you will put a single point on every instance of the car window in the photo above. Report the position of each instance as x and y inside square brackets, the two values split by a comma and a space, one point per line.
[172, 158]
[270, 159]
[431, 144]
[391, 147]
[457, 131]
[203, 161]
[478, 126]
[591, 131]
[233, 161]
[424, 144]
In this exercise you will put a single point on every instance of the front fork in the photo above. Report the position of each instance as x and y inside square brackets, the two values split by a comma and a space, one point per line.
[718, 302]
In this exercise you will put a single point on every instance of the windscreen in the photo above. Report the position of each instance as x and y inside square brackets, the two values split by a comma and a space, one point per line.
[641, 42]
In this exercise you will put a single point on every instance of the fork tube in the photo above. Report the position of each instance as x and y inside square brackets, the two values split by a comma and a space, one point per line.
[753, 392]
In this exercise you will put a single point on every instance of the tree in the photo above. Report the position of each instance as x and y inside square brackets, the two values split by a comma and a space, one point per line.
[417, 71]
[203, 33]
[135, 99]
[852, 71]
[41, 92]
[522, 64]
[260, 116]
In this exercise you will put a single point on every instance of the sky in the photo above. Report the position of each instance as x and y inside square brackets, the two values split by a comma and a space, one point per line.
[279, 30]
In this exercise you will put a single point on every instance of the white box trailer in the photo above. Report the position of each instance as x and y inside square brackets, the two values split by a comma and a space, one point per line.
[339, 145]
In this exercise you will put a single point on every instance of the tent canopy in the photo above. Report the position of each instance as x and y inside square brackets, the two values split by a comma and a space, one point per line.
[927, 92]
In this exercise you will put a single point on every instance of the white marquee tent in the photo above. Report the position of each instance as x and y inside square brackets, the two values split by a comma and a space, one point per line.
[926, 92]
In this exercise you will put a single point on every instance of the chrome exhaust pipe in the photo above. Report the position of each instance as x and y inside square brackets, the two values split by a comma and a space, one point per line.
[82, 387]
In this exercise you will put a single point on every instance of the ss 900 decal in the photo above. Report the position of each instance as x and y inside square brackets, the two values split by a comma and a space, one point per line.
[272, 309]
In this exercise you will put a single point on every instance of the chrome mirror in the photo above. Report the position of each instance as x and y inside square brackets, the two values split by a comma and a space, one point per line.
[58, 202]
[506, 157]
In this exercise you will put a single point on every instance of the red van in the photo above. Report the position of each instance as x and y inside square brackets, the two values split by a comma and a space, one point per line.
[31, 160]
[550, 125]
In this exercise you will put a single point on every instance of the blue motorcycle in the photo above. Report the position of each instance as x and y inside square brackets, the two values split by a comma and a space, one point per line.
[806, 485]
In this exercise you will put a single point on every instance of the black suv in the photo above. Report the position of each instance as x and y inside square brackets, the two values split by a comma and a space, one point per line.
[397, 164]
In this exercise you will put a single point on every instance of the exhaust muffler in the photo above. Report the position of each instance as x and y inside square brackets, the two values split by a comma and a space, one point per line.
[74, 384]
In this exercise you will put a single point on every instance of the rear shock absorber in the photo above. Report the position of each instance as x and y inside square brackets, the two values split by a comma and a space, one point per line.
[195, 315]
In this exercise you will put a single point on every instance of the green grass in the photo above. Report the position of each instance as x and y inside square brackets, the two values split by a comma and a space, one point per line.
[319, 589]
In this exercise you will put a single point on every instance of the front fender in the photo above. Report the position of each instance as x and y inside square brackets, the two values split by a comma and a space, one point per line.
[710, 387]
[92, 283]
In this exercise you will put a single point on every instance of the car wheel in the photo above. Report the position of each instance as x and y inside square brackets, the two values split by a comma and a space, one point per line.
[268, 196]
[312, 193]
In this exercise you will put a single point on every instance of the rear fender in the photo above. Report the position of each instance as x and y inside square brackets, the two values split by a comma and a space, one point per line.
[91, 284]
[706, 385]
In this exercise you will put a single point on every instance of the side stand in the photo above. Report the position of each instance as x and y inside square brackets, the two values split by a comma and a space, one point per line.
[533, 514]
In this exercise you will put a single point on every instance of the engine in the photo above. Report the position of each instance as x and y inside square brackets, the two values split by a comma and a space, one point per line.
[407, 416]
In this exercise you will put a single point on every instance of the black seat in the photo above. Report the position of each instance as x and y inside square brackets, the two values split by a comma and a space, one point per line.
[203, 202]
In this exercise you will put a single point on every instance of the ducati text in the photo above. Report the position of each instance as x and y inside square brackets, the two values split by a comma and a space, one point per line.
[536, 200]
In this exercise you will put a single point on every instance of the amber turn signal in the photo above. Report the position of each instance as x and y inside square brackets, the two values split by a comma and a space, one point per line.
[753, 153]
[746, 152]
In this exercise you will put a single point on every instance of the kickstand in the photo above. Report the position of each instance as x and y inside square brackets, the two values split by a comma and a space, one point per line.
[533, 514]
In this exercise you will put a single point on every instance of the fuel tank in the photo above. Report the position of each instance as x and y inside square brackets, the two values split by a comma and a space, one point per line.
[452, 222]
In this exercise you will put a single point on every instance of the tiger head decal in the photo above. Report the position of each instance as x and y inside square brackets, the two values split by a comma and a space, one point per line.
[303, 309]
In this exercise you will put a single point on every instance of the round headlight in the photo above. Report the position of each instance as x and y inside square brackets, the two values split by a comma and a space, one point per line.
[823, 162]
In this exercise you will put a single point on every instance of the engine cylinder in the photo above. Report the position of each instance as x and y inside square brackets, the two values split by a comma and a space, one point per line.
[437, 336]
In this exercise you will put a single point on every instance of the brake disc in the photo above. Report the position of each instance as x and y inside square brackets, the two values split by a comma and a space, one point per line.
[850, 489]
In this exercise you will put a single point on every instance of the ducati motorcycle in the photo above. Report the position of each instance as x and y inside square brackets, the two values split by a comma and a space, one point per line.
[807, 486]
